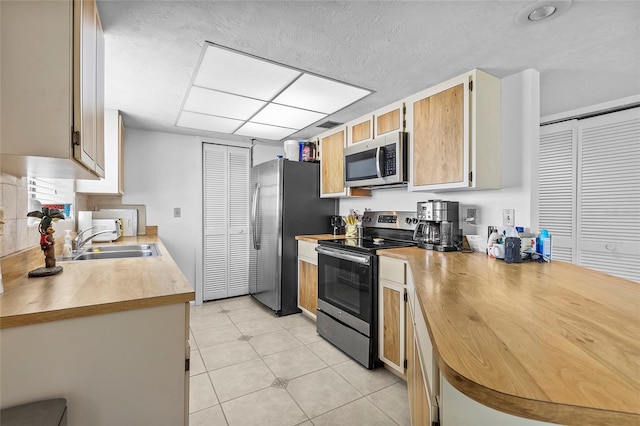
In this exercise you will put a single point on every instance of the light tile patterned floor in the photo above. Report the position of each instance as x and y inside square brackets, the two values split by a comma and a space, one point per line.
[249, 367]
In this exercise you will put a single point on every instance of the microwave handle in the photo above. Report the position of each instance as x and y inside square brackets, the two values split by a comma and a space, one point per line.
[378, 168]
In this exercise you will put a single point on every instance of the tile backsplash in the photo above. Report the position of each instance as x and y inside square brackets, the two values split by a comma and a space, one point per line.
[17, 234]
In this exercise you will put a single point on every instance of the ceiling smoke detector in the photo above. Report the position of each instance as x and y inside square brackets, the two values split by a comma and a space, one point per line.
[542, 10]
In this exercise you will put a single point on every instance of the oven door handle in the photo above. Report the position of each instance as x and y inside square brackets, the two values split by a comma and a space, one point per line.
[363, 260]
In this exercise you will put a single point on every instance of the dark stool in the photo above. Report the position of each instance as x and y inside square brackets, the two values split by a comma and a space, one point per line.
[51, 412]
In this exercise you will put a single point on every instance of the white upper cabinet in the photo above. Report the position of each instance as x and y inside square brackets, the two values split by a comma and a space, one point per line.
[52, 89]
[455, 134]
[113, 181]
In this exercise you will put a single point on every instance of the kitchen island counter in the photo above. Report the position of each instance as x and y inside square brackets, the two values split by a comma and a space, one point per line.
[92, 287]
[547, 341]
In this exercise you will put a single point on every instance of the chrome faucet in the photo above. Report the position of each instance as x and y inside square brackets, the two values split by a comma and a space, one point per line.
[79, 243]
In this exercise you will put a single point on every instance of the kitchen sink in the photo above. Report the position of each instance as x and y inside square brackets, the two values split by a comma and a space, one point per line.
[117, 252]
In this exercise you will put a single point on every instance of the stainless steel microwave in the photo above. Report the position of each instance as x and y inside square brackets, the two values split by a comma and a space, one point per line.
[377, 162]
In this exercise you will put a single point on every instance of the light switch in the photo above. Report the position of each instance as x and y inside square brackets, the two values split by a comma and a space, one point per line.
[176, 212]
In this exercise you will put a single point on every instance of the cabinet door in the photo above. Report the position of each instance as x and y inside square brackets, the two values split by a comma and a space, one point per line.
[332, 164]
[100, 155]
[120, 155]
[441, 135]
[422, 404]
[391, 325]
[85, 64]
[411, 365]
[308, 286]
[390, 118]
[360, 131]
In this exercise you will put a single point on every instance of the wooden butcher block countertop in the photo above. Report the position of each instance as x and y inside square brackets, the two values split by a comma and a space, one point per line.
[549, 341]
[92, 287]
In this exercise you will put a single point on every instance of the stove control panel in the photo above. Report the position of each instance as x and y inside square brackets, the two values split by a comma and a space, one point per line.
[390, 219]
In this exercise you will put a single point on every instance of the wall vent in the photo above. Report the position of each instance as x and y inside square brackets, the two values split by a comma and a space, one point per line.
[329, 124]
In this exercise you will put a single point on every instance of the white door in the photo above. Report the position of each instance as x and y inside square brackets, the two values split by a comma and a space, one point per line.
[226, 221]
[589, 191]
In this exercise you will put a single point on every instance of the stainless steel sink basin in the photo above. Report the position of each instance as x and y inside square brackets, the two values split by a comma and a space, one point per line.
[128, 247]
[117, 252]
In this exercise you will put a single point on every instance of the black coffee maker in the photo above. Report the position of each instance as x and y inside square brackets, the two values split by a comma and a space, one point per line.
[337, 223]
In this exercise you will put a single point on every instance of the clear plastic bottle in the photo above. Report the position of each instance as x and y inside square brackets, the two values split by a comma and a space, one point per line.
[545, 243]
[493, 239]
[67, 249]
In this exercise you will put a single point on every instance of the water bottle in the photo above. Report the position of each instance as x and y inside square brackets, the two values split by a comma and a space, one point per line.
[544, 243]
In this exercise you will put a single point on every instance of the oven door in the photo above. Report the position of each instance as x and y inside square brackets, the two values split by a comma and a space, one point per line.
[345, 285]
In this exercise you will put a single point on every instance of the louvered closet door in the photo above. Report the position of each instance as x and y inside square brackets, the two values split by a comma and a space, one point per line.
[226, 221]
[609, 193]
[557, 183]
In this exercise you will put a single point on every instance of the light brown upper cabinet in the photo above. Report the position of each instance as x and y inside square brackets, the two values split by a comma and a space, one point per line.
[360, 130]
[331, 149]
[53, 80]
[390, 118]
[455, 134]
[113, 181]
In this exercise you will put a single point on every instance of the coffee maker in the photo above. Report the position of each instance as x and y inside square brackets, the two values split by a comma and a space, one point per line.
[437, 227]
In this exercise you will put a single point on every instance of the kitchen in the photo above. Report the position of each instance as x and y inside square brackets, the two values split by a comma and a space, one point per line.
[171, 157]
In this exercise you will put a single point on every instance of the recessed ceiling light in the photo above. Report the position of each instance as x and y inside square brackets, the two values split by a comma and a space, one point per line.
[542, 10]
[542, 13]
[271, 100]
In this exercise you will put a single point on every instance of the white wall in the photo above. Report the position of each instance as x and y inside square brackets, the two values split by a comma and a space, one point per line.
[520, 139]
[163, 171]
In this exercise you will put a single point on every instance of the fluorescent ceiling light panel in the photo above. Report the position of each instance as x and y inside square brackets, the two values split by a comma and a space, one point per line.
[280, 115]
[320, 94]
[210, 102]
[263, 131]
[232, 72]
[194, 120]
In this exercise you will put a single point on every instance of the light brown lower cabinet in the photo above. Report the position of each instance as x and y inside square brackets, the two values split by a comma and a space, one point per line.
[308, 278]
[419, 400]
[308, 286]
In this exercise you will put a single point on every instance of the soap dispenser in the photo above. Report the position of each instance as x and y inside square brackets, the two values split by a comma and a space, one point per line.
[67, 249]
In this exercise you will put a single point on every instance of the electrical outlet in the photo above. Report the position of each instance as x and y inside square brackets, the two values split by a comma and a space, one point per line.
[176, 212]
[509, 217]
[471, 216]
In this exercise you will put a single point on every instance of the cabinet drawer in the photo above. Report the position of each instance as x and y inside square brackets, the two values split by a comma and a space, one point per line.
[307, 251]
[392, 270]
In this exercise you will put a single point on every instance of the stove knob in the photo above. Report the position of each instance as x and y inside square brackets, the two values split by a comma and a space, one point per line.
[366, 219]
[408, 221]
[414, 220]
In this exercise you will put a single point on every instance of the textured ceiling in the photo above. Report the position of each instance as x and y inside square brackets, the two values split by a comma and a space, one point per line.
[587, 56]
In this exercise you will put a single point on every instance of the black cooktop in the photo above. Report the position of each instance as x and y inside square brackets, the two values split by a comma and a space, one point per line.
[367, 245]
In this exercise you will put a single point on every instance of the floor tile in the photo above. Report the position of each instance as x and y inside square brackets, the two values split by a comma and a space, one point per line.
[270, 343]
[267, 407]
[294, 362]
[248, 314]
[241, 379]
[258, 326]
[305, 333]
[366, 381]
[196, 365]
[201, 394]
[212, 416]
[295, 320]
[216, 335]
[321, 391]
[226, 354]
[327, 352]
[209, 320]
[239, 302]
[358, 412]
[204, 309]
[394, 402]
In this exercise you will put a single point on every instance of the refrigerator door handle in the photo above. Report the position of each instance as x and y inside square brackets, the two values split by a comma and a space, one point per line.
[254, 221]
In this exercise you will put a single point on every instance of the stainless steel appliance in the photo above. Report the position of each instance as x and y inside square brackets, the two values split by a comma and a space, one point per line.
[438, 226]
[347, 283]
[377, 162]
[285, 203]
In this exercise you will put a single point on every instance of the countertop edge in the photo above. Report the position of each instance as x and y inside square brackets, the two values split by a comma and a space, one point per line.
[86, 311]
[548, 411]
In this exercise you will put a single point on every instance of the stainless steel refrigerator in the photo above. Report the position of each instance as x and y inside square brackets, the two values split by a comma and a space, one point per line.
[285, 202]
